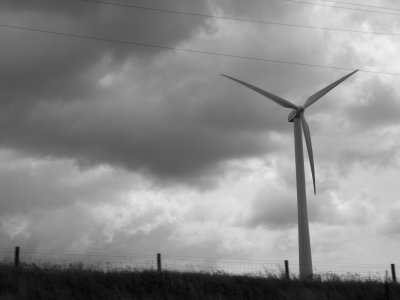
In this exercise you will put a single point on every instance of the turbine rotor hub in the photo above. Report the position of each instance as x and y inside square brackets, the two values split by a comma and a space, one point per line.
[295, 113]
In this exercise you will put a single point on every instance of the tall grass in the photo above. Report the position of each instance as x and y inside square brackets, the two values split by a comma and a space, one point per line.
[51, 282]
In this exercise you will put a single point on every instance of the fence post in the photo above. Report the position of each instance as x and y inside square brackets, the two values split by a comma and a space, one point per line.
[287, 269]
[159, 262]
[16, 257]
[393, 272]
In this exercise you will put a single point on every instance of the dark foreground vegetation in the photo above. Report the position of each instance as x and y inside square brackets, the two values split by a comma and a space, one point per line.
[33, 282]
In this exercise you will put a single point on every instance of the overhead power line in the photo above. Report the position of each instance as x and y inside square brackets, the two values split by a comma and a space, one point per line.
[140, 44]
[343, 7]
[365, 5]
[239, 19]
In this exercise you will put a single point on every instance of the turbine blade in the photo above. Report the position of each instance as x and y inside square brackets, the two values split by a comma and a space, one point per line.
[307, 137]
[326, 89]
[269, 95]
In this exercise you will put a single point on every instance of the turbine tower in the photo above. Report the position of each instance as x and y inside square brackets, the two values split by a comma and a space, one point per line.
[297, 117]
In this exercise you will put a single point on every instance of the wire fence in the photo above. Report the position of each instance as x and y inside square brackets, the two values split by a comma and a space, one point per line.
[209, 265]
[140, 262]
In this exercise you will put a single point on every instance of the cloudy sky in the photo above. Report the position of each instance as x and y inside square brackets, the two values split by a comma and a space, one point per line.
[112, 146]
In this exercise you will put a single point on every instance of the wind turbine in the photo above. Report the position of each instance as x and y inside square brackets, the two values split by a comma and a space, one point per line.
[297, 117]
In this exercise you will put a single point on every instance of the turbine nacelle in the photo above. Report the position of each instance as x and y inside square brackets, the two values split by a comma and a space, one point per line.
[296, 113]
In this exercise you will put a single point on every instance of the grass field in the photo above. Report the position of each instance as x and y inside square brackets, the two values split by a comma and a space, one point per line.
[51, 282]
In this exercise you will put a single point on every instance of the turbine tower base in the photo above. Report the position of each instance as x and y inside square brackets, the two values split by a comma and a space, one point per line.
[305, 261]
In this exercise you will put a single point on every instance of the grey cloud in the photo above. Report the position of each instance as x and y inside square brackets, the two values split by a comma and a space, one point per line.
[274, 212]
[372, 149]
[170, 116]
[161, 239]
[41, 229]
[277, 209]
[70, 8]
[377, 106]
[256, 9]
[391, 223]
[37, 67]
[90, 227]
[374, 159]
[29, 184]
[161, 131]
[279, 212]
[358, 132]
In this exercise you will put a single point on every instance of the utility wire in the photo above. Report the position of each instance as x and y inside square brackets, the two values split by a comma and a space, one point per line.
[343, 7]
[133, 43]
[365, 5]
[239, 19]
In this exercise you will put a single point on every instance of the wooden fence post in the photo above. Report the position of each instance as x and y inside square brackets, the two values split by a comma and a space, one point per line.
[287, 275]
[159, 262]
[16, 257]
[392, 266]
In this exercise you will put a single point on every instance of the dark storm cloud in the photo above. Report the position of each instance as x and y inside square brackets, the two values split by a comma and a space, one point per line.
[163, 119]
[165, 139]
[37, 67]
[164, 114]
[42, 72]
